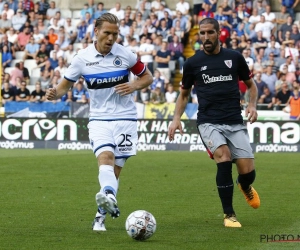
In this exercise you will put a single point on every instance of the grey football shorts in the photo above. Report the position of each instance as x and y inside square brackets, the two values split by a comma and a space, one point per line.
[234, 136]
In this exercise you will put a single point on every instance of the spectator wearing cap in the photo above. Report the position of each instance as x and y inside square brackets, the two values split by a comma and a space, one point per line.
[22, 94]
[18, 20]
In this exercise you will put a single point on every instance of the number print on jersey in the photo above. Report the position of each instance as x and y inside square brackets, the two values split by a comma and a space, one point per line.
[125, 141]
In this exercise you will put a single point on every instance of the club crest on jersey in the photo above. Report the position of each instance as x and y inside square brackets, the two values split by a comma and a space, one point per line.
[228, 63]
[117, 62]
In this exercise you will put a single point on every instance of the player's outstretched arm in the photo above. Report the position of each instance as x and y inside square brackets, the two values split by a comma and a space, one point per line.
[141, 82]
[57, 92]
[181, 103]
[250, 111]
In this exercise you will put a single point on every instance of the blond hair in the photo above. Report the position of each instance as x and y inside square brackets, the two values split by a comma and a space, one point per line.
[106, 17]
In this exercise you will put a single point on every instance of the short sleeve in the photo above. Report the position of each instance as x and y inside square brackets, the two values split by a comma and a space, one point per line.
[243, 69]
[188, 76]
[74, 70]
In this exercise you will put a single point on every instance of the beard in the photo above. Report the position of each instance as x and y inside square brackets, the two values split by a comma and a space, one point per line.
[212, 47]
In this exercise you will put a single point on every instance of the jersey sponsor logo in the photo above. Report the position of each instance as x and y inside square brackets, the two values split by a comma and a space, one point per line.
[92, 63]
[106, 79]
[92, 81]
[117, 62]
[228, 63]
[207, 79]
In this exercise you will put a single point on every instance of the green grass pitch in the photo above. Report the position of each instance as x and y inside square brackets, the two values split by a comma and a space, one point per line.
[47, 202]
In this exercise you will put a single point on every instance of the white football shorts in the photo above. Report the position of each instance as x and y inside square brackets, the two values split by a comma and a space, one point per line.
[119, 137]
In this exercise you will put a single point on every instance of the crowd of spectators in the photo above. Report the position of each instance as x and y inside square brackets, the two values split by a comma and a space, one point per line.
[269, 41]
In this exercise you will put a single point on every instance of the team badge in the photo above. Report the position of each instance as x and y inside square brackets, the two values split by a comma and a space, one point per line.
[117, 62]
[228, 63]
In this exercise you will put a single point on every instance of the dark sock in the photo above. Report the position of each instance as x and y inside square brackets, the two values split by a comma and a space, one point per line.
[246, 179]
[225, 185]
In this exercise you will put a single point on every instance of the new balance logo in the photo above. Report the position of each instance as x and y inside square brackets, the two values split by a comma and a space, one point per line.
[203, 68]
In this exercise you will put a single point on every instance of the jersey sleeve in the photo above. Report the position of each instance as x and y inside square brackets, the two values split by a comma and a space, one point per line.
[243, 69]
[188, 77]
[74, 70]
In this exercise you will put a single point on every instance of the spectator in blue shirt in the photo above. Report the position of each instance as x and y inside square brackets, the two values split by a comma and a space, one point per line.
[6, 57]
[100, 10]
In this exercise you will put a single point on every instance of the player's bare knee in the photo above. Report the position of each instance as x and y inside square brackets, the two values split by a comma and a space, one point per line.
[222, 154]
[106, 158]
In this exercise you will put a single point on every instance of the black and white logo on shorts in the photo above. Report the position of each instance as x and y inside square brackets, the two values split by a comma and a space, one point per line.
[228, 63]
[117, 62]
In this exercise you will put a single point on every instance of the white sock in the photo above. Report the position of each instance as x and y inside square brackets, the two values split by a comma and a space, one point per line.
[107, 179]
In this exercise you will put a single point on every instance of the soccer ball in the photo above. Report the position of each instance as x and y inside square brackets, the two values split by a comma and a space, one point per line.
[140, 225]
